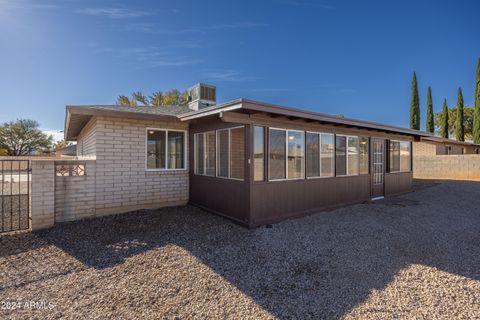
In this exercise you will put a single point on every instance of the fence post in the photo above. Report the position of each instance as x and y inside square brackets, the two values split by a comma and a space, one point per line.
[43, 194]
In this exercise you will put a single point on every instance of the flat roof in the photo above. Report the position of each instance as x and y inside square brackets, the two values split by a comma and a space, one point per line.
[253, 105]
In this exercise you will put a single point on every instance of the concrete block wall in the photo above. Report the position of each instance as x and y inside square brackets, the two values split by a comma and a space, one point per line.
[122, 183]
[459, 167]
[75, 195]
[42, 194]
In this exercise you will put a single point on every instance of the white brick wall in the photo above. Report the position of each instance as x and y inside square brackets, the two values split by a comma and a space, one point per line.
[117, 180]
[43, 194]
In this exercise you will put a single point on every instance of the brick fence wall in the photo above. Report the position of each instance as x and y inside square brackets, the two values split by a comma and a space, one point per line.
[458, 167]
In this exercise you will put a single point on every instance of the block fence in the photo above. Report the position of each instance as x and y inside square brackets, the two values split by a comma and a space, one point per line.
[68, 190]
[456, 167]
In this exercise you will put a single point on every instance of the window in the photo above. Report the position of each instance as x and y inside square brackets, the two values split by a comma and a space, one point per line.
[205, 153]
[296, 151]
[352, 156]
[347, 151]
[210, 154]
[277, 154]
[176, 149]
[199, 153]
[220, 153]
[399, 156]
[237, 152]
[165, 149]
[313, 154]
[394, 156]
[405, 159]
[258, 154]
[364, 156]
[340, 155]
[327, 155]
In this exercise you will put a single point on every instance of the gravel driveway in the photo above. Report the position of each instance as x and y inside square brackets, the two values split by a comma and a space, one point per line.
[413, 256]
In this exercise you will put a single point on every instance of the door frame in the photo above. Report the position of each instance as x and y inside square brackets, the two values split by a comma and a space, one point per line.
[377, 193]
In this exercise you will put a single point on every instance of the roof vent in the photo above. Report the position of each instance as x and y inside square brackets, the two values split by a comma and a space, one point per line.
[202, 96]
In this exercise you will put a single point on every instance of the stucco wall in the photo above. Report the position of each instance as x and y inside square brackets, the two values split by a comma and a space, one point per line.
[460, 167]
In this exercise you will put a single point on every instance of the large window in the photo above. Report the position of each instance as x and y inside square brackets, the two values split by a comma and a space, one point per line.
[405, 159]
[296, 154]
[319, 154]
[352, 156]
[340, 155]
[347, 152]
[237, 153]
[399, 156]
[165, 149]
[205, 146]
[327, 153]
[221, 153]
[258, 154]
[313, 154]
[277, 154]
[223, 137]
[286, 154]
[364, 156]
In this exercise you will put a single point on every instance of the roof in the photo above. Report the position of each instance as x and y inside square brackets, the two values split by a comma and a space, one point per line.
[450, 141]
[68, 150]
[256, 106]
[78, 116]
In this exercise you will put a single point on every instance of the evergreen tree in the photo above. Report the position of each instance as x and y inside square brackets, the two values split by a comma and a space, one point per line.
[444, 126]
[476, 112]
[430, 127]
[459, 126]
[415, 105]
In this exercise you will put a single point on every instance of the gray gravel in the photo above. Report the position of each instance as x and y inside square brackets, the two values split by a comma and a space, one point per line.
[413, 256]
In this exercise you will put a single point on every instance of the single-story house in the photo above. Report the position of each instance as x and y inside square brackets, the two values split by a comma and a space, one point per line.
[431, 145]
[253, 162]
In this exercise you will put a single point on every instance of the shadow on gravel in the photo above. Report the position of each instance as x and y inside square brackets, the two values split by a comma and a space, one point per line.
[319, 266]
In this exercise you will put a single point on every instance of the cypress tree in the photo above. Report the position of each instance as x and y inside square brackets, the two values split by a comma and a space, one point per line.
[459, 125]
[430, 127]
[415, 105]
[476, 112]
[444, 127]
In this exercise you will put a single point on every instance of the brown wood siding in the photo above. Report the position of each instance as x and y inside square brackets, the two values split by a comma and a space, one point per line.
[398, 182]
[222, 196]
[275, 201]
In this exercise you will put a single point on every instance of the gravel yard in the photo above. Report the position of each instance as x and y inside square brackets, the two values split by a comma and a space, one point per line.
[412, 256]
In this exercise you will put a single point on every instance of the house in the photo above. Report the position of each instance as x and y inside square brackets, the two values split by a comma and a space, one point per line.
[253, 162]
[430, 145]
[68, 151]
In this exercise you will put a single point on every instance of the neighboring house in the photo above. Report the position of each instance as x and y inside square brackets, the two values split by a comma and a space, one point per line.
[441, 146]
[253, 162]
[69, 151]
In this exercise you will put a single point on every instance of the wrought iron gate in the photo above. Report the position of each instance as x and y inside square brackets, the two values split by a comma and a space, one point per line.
[15, 195]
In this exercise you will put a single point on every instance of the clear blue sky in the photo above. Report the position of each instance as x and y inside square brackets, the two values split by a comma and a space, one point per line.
[339, 57]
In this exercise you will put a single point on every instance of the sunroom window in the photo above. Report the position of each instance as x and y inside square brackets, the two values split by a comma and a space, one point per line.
[165, 149]
[399, 156]
[286, 154]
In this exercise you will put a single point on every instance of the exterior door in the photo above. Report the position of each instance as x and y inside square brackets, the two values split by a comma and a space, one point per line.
[378, 167]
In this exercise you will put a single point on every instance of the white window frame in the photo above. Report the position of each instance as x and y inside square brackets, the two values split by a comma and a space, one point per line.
[286, 154]
[400, 160]
[185, 142]
[320, 155]
[229, 151]
[346, 155]
[195, 155]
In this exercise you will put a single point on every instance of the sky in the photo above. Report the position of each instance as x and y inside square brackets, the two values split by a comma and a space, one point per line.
[354, 58]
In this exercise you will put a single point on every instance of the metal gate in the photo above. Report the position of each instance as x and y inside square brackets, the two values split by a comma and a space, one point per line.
[15, 195]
